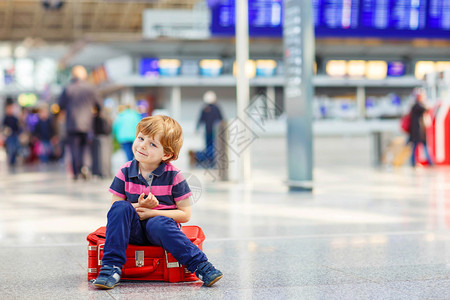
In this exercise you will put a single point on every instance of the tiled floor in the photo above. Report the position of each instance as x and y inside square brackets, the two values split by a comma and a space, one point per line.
[364, 233]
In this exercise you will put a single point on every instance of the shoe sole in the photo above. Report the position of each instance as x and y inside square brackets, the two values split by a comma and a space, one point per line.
[105, 287]
[215, 280]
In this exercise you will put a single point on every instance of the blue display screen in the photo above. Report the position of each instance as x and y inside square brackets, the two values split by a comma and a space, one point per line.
[347, 18]
[383, 18]
[149, 67]
[264, 17]
[396, 68]
[439, 15]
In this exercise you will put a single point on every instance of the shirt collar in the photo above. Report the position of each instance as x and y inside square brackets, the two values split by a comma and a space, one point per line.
[159, 170]
[134, 169]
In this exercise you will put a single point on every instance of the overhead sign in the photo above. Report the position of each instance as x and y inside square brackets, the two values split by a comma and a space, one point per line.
[264, 17]
[358, 18]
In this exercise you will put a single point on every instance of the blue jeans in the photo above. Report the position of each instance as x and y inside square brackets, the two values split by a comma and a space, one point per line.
[12, 145]
[207, 157]
[209, 140]
[45, 151]
[124, 227]
[425, 149]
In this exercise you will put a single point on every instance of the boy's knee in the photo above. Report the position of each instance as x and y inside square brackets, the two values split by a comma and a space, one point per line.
[160, 224]
[120, 207]
[161, 221]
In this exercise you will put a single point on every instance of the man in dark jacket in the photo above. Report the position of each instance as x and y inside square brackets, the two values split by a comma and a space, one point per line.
[417, 133]
[210, 116]
[78, 100]
[11, 131]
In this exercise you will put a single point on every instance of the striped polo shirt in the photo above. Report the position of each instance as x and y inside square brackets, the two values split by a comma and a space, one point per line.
[167, 184]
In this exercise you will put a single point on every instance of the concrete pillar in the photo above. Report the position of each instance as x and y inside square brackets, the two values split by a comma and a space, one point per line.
[298, 41]
[175, 103]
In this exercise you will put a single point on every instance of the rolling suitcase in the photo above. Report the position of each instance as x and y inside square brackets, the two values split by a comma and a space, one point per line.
[144, 262]
[402, 156]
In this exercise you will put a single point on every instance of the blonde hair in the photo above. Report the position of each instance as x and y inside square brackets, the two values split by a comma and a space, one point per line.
[168, 130]
[79, 72]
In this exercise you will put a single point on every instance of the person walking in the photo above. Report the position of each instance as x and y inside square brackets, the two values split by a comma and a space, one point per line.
[210, 117]
[417, 133]
[11, 130]
[101, 147]
[78, 100]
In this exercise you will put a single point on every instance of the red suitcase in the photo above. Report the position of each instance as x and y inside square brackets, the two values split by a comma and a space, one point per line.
[144, 262]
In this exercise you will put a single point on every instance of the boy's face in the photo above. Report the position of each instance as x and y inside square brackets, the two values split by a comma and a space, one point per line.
[149, 151]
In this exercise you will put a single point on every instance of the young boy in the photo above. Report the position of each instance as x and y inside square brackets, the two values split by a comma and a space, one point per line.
[153, 219]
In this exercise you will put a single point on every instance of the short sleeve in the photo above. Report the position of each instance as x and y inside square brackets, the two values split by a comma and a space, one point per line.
[180, 188]
[118, 185]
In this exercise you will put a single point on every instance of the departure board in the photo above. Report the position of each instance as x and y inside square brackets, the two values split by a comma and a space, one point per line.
[342, 14]
[343, 18]
[382, 18]
[264, 17]
[439, 14]
[393, 14]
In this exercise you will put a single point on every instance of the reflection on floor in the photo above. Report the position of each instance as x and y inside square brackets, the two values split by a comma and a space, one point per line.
[364, 232]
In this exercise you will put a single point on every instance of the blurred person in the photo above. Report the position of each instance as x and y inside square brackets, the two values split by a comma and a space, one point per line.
[124, 128]
[28, 120]
[101, 145]
[210, 117]
[60, 136]
[11, 131]
[142, 108]
[138, 217]
[44, 133]
[78, 100]
[417, 133]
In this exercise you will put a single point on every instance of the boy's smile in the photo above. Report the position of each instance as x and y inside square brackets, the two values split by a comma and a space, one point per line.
[141, 153]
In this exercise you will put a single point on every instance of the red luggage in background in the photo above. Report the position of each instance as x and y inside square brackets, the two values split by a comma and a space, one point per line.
[144, 262]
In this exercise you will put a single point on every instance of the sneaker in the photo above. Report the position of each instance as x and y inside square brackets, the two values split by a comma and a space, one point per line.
[108, 277]
[207, 273]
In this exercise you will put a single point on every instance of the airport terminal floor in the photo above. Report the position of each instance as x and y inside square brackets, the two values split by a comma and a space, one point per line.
[363, 233]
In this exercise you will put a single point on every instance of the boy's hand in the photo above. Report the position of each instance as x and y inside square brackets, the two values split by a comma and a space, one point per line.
[145, 213]
[148, 202]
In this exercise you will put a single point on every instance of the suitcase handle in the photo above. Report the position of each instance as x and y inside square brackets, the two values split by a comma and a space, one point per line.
[195, 241]
[140, 271]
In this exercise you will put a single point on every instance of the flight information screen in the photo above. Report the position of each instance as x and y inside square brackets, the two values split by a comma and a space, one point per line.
[439, 14]
[376, 18]
[358, 18]
[395, 15]
[264, 17]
